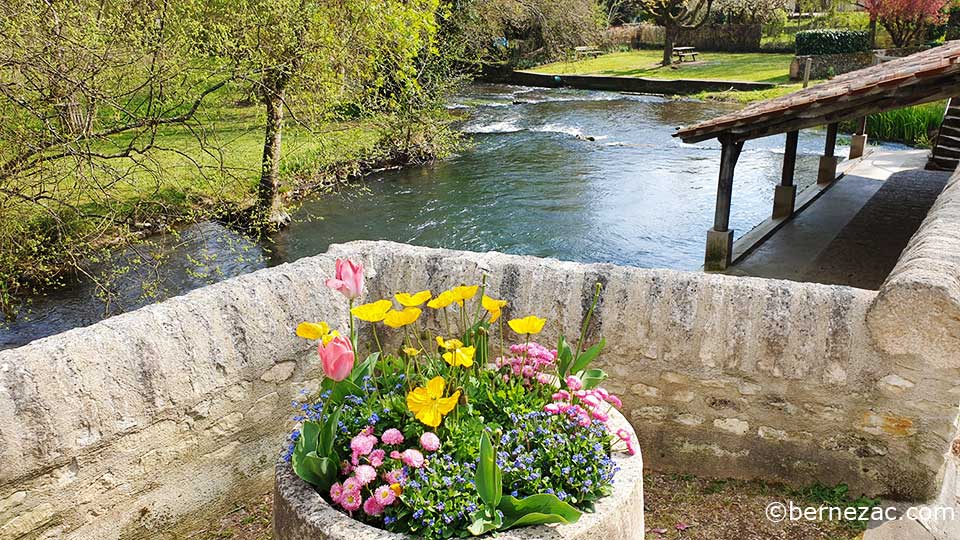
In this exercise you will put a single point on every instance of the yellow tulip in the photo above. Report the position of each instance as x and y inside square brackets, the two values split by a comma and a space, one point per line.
[327, 338]
[399, 319]
[442, 300]
[449, 344]
[460, 357]
[309, 330]
[372, 312]
[428, 404]
[412, 300]
[464, 292]
[527, 325]
[492, 306]
[412, 351]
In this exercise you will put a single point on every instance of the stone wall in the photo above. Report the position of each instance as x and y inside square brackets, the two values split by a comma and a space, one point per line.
[824, 66]
[928, 275]
[125, 428]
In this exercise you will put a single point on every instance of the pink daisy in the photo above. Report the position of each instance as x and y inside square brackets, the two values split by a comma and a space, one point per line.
[372, 507]
[429, 441]
[392, 436]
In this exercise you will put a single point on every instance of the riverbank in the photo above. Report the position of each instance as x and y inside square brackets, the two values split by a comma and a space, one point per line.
[193, 176]
[914, 126]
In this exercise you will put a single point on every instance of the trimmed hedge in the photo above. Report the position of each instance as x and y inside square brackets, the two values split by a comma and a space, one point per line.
[832, 41]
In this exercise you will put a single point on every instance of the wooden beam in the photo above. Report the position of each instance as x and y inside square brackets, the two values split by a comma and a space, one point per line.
[729, 154]
[830, 143]
[789, 158]
[719, 247]
[785, 195]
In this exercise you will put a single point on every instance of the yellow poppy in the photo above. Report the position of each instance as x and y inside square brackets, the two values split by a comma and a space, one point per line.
[428, 404]
[309, 330]
[460, 357]
[464, 292]
[412, 300]
[492, 306]
[527, 325]
[372, 312]
[398, 319]
[442, 300]
[411, 351]
[396, 488]
[327, 338]
[449, 344]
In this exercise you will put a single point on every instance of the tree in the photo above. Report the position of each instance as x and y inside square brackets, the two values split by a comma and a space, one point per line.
[905, 20]
[749, 11]
[306, 57]
[85, 88]
[676, 15]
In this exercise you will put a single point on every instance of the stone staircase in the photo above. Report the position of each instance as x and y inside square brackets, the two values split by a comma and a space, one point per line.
[946, 147]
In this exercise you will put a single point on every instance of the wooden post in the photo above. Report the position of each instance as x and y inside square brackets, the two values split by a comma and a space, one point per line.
[785, 195]
[806, 71]
[858, 142]
[828, 162]
[720, 237]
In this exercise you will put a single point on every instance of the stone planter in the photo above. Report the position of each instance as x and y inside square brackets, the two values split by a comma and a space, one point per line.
[299, 513]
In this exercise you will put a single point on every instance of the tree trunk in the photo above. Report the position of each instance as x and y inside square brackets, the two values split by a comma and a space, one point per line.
[873, 32]
[270, 211]
[669, 36]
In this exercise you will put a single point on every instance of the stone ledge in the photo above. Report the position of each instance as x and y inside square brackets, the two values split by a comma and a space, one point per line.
[917, 310]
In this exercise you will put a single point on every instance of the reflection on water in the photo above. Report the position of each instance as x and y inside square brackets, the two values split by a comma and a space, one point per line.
[576, 175]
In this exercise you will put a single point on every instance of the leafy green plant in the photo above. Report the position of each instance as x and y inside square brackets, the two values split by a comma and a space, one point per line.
[832, 41]
[570, 362]
[501, 512]
[314, 457]
[910, 125]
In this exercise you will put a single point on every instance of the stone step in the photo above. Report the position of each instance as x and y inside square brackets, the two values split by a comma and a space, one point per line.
[905, 529]
[947, 152]
[942, 164]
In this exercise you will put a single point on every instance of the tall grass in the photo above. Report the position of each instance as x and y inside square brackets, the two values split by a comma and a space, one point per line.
[912, 125]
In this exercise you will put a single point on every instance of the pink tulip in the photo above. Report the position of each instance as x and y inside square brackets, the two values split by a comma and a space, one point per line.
[337, 358]
[348, 279]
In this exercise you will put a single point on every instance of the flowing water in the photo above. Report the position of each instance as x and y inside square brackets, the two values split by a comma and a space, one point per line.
[570, 174]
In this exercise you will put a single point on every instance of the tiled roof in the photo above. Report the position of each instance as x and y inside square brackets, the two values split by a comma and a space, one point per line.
[925, 76]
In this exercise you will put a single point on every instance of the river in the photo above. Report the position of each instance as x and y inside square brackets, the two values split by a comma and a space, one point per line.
[571, 174]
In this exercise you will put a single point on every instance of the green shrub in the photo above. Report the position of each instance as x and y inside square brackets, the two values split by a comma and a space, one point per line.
[910, 125]
[832, 41]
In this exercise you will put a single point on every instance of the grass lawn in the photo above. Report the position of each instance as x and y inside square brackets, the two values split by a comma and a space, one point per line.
[754, 67]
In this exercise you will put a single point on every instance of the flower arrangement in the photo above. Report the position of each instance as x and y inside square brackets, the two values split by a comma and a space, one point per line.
[445, 437]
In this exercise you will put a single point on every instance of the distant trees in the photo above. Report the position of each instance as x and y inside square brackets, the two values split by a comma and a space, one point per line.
[905, 20]
[749, 11]
[676, 15]
[532, 29]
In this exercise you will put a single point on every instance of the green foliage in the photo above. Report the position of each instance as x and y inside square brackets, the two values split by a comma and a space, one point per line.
[537, 509]
[504, 512]
[488, 478]
[832, 41]
[315, 459]
[910, 125]
[838, 497]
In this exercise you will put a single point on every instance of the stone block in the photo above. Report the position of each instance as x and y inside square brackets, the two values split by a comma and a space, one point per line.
[827, 171]
[784, 200]
[719, 250]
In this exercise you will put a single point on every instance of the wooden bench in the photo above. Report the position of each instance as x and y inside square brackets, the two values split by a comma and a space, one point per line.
[682, 53]
[592, 52]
